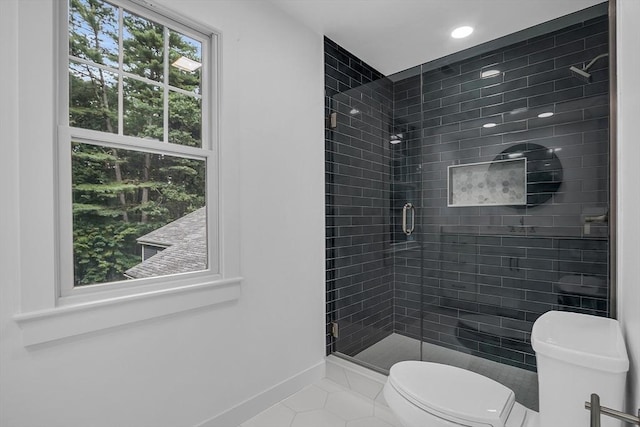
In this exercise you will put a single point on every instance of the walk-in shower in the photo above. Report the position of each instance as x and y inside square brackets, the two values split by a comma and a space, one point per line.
[496, 160]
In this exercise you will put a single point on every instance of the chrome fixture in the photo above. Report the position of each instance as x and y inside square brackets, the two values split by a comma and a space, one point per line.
[333, 120]
[597, 218]
[405, 208]
[595, 409]
[396, 138]
[489, 73]
[334, 329]
[582, 74]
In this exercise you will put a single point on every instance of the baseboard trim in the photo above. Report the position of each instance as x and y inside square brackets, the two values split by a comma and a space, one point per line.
[261, 401]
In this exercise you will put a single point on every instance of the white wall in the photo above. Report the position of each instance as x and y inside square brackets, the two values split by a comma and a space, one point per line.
[187, 368]
[628, 39]
[184, 369]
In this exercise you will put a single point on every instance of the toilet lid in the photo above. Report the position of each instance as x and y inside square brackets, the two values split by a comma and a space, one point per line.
[452, 393]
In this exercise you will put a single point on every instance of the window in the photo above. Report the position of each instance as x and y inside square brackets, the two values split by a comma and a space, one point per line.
[136, 149]
[162, 133]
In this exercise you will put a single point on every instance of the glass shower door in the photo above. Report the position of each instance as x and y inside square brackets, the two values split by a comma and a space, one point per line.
[359, 256]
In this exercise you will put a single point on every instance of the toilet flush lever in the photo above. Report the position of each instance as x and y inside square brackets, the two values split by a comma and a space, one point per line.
[596, 410]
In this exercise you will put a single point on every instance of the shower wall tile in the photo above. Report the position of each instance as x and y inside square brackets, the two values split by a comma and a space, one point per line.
[474, 278]
[359, 274]
[483, 275]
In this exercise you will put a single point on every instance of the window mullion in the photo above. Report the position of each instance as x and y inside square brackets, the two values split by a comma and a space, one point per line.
[165, 116]
[93, 64]
[135, 143]
[63, 68]
[207, 75]
[184, 92]
[127, 74]
[120, 71]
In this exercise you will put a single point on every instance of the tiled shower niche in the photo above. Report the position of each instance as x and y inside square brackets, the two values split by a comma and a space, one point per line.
[470, 278]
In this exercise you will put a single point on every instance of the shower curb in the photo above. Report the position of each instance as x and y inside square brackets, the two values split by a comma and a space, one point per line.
[356, 378]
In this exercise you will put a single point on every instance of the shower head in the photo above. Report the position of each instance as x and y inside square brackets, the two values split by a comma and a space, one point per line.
[582, 74]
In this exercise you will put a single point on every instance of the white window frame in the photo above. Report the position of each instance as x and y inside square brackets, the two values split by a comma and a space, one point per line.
[51, 309]
[67, 134]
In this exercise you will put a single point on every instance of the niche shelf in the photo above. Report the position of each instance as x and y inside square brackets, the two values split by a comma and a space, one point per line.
[495, 183]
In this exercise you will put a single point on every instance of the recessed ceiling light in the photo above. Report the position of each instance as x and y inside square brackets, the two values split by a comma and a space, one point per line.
[514, 155]
[489, 125]
[547, 114]
[462, 32]
[489, 73]
[186, 64]
[354, 111]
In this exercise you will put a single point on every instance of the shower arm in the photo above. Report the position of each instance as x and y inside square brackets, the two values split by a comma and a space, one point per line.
[602, 55]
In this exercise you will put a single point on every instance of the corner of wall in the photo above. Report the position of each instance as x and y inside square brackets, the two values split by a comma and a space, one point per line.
[628, 34]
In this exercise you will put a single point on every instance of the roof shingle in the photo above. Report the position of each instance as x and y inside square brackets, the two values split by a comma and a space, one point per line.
[185, 240]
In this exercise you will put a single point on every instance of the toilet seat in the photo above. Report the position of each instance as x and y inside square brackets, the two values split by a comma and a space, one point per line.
[454, 394]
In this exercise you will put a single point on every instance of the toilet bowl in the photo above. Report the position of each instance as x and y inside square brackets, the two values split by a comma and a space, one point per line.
[435, 395]
[577, 355]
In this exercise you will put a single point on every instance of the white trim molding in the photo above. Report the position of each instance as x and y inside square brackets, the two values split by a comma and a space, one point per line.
[261, 401]
[48, 325]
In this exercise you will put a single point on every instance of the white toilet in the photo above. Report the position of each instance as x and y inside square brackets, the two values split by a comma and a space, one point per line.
[576, 354]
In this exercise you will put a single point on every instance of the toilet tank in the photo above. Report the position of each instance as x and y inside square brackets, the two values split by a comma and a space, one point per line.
[578, 354]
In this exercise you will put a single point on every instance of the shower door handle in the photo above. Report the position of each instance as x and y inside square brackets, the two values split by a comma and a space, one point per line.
[405, 208]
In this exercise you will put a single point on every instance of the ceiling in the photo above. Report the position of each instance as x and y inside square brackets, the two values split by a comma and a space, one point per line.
[394, 35]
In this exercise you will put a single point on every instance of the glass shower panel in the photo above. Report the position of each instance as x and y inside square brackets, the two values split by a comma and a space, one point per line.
[466, 197]
[406, 205]
[493, 261]
[359, 236]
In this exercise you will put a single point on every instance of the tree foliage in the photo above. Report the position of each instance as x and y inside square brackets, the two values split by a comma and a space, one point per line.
[118, 194]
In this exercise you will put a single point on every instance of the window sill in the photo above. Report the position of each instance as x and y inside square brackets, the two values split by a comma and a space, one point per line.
[67, 321]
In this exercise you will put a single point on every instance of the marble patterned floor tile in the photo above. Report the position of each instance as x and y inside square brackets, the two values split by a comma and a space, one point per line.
[325, 404]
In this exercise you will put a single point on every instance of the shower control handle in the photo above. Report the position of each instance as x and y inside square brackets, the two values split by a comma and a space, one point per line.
[405, 208]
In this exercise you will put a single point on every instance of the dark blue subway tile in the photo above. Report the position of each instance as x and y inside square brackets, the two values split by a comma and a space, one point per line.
[529, 48]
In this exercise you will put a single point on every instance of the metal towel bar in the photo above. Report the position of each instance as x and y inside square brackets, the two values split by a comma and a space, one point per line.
[596, 410]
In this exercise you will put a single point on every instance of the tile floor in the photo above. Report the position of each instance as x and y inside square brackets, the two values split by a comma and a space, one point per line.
[325, 404]
[351, 396]
[396, 347]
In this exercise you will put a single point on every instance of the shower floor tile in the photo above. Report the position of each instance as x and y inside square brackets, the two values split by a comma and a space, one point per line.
[396, 348]
[325, 404]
